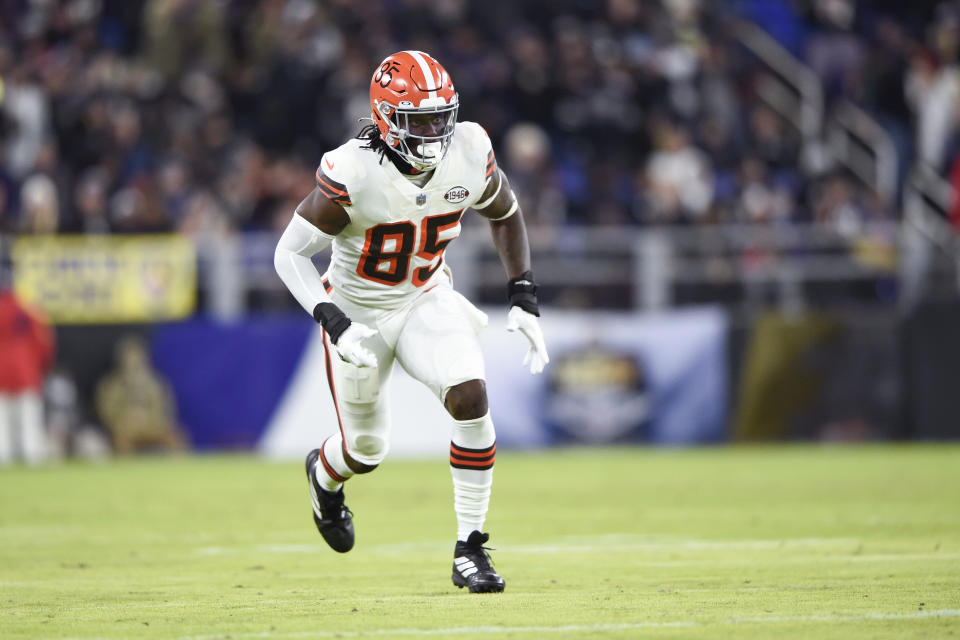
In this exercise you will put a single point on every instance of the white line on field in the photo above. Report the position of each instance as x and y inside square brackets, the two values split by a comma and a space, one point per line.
[679, 545]
[606, 544]
[940, 613]
[424, 599]
[270, 635]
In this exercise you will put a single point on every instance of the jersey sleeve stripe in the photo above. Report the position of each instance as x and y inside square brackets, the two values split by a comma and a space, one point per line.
[331, 184]
[332, 189]
[342, 200]
[491, 163]
[326, 285]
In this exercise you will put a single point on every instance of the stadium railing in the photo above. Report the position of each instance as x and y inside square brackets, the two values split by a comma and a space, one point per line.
[741, 266]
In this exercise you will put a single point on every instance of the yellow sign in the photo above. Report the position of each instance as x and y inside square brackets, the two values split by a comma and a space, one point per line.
[106, 279]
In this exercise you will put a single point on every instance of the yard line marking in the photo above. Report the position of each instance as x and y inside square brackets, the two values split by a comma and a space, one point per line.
[847, 549]
[632, 543]
[941, 613]
[258, 548]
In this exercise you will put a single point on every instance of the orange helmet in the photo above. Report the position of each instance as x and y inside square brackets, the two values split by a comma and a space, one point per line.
[414, 105]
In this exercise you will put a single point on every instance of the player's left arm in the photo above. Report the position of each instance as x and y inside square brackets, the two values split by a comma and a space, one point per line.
[499, 205]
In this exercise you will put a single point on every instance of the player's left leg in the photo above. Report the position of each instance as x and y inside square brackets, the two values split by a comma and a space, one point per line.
[473, 449]
[356, 447]
[439, 347]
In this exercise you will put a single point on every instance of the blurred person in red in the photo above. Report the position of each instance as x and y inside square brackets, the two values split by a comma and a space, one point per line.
[26, 354]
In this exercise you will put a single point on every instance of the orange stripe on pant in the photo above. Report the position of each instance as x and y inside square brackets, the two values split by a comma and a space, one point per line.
[326, 465]
[333, 389]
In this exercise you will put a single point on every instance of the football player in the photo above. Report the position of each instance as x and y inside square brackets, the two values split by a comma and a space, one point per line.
[390, 201]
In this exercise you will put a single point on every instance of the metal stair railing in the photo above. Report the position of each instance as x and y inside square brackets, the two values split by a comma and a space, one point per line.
[860, 144]
[931, 246]
[789, 87]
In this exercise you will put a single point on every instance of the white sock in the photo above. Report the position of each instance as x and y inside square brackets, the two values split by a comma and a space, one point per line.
[473, 447]
[332, 471]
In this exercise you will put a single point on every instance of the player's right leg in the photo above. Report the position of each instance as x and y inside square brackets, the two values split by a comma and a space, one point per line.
[357, 446]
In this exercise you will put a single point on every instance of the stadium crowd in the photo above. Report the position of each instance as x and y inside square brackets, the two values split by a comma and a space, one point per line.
[208, 117]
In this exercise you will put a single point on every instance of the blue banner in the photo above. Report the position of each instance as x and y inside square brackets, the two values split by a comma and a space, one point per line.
[228, 378]
[613, 377]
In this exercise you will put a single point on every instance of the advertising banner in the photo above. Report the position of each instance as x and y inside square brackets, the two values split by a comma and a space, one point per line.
[613, 377]
[106, 279]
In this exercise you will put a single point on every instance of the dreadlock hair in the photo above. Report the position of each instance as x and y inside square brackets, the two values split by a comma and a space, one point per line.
[375, 143]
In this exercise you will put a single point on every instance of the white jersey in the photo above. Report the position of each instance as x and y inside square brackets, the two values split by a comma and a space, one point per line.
[392, 249]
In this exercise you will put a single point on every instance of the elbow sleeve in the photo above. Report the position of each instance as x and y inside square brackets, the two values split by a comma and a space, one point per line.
[291, 259]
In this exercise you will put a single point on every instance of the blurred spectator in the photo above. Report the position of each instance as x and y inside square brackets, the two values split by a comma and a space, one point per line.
[836, 206]
[136, 405]
[835, 53]
[761, 200]
[527, 152]
[26, 351]
[25, 104]
[62, 406]
[678, 179]
[771, 140]
[90, 204]
[182, 33]
[933, 90]
[161, 115]
[41, 206]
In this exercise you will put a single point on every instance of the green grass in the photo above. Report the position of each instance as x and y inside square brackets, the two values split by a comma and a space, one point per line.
[800, 542]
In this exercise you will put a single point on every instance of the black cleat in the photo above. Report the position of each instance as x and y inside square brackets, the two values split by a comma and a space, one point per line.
[472, 568]
[334, 519]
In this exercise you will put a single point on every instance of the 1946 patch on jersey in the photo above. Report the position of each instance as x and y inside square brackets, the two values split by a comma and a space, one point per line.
[456, 194]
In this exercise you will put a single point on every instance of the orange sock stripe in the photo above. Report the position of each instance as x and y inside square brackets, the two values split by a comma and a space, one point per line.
[479, 465]
[326, 465]
[472, 453]
[485, 460]
[479, 459]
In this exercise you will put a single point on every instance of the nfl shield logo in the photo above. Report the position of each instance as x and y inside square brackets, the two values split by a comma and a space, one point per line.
[421, 199]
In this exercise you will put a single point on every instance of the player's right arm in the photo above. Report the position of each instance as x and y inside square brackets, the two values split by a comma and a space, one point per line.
[315, 222]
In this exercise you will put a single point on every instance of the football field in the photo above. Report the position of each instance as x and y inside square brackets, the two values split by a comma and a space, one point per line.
[764, 542]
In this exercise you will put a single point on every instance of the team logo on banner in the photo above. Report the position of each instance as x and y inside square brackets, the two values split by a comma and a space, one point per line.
[597, 395]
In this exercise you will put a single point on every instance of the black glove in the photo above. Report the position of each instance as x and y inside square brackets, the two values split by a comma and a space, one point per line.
[522, 292]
